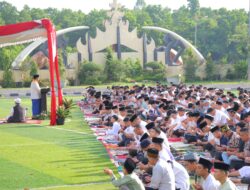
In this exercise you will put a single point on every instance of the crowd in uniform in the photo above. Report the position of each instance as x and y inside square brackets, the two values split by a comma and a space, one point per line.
[144, 118]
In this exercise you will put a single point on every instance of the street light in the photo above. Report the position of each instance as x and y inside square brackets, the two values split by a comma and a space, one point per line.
[195, 31]
[195, 34]
[248, 44]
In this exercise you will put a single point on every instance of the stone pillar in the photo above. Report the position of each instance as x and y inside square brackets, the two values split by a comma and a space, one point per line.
[145, 54]
[119, 54]
[90, 49]
[155, 54]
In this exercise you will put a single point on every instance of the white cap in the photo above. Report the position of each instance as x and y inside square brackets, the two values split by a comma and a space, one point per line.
[18, 100]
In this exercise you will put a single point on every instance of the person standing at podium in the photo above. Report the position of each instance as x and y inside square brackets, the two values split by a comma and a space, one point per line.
[35, 95]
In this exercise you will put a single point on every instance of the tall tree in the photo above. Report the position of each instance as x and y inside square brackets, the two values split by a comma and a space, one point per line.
[25, 14]
[108, 70]
[140, 4]
[8, 12]
[194, 7]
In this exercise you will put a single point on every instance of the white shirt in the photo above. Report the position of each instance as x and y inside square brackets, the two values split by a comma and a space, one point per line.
[220, 118]
[143, 126]
[35, 90]
[165, 142]
[163, 176]
[210, 183]
[244, 171]
[164, 155]
[183, 103]
[115, 129]
[120, 117]
[181, 176]
[129, 130]
[212, 137]
[175, 122]
[179, 120]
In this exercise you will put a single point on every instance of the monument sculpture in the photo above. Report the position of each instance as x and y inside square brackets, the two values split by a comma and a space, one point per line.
[127, 44]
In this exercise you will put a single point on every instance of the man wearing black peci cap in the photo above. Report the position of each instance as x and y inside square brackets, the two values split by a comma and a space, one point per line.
[163, 175]
[145, 144]
[156, 132]
[140, 134]
[218, 141]
[115, 110]
[35, 95]
[136, 120]
[181, 175]
[127, 133]
[220, 118]
[221, 174]
[157, 143]
[107, 114]
[203, 170]
[115, 126]
[122, 112]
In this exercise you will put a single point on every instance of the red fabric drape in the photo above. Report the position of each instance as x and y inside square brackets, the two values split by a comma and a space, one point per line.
[52, 59]
[60, 96]
[17, 28]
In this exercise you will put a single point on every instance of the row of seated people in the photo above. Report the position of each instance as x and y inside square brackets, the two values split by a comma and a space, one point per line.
[144, 118]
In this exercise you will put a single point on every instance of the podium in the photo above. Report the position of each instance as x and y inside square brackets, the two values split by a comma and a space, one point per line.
[44, 92]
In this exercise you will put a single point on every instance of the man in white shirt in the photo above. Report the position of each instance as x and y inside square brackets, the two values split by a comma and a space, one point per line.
[140, 135]
[115, 127]
[203, 170]
[220, 118]
[181, 176]
[157, 143]
[242, 172]
[179, 130]
[156, 132]
[163, 176]
[221, 174]
[35, 95]
[127, 133]
[136, 120]
[122, 113]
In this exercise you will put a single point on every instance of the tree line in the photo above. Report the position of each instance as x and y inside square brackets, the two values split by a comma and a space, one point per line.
[222, 34]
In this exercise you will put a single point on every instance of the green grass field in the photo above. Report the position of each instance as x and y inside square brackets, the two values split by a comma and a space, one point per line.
[44, 157]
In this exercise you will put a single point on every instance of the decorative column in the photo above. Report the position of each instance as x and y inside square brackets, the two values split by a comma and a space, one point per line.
[145, 54]
[90, 49]
[118, 33]
[155, 54]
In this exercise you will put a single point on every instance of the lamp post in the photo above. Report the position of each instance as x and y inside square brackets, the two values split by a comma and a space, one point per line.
[196, 30]
[195, 33]
[248, 44]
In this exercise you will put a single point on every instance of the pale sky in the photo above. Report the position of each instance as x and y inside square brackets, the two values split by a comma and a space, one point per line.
[88, 5]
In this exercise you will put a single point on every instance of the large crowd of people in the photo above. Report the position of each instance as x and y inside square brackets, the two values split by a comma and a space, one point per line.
[144, 119]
